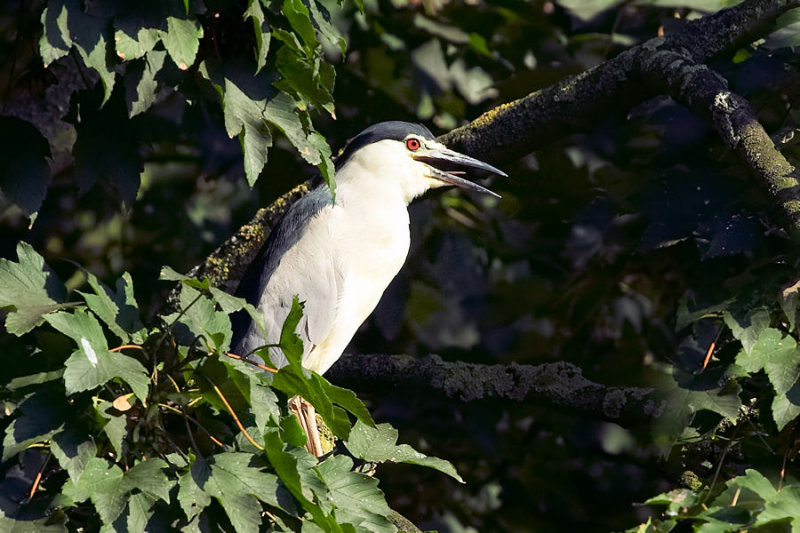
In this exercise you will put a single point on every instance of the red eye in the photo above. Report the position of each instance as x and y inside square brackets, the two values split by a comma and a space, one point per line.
[413, 144]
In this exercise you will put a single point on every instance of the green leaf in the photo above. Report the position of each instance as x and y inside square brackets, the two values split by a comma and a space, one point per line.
[344, 398]
[236, 478]
[379, 445]
[261, 31]
[92, 365]
[24, 173]
[785, 506]
[286, 466]
[118, 309]
[779, 356]
[191, 496]
[684, 317]
[756, 482]
[747, 328]
[130, 47]
[295, 381]
[786, 406]
[116, 426]
[236, 482]
[326, 166]
[73, 451]
[244, 117]
[140, 511]
[682, 404]
[290, 342]
[789, 302]
[182, 40]
[40, 416]
[140, 82]
[299, 18]
[29, 281]
[148, 477]
[357, 499]
[201, 318]
[104, 485]
[55, 41]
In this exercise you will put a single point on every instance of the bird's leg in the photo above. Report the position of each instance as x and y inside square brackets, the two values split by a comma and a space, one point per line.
[306, 415]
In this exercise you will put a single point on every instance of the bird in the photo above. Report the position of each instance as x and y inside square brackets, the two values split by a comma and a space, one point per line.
[338, 254]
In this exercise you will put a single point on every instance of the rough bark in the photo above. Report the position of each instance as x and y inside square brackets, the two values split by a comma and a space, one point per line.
[558, 385]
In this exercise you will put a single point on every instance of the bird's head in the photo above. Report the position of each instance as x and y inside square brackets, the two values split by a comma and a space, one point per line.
[406, 154]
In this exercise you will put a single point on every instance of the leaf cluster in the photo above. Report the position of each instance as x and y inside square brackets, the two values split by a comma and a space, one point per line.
[138, 427]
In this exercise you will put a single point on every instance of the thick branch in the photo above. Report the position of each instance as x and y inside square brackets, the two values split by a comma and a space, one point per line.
[573, 105]
[578, 103]
[558, 385]
[706, 93]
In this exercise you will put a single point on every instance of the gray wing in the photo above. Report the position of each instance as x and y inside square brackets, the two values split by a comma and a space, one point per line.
[297, 259]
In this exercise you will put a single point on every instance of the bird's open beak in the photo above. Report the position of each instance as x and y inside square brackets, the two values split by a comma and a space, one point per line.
[445, 163]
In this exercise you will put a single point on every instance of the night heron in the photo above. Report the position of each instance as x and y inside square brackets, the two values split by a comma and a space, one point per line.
[338, 257]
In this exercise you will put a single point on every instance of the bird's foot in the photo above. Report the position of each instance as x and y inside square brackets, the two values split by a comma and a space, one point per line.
[306, 415]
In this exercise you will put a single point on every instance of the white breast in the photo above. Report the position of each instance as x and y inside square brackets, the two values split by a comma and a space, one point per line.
[371, 245]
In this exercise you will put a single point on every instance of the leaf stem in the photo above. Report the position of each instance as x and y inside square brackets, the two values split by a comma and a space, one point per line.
[236, 418]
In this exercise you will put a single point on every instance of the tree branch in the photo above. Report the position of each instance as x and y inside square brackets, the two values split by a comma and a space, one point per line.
[650, 69]
[577, 104]
[558, 385]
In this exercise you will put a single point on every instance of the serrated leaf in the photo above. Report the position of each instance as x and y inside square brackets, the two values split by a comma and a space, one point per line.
[286, 466]
[683, 403]
[140, 82]
[115, 427]
[357, 499]
[117, 309]
[148, 477]
[55, 41]
[92, 365]
[747, 328]
[321, 18]
[182, 40]
[784, 507]
[756, 482]
[130, 47]
[88, 33]
[290, 342]
[379, 445]
[786, 406]
[306, 79]
[103, 484]
[24, 172]
[779, 356]
[326, 166]
[29, 281]
[73, 451]
[140, 511]
[235, 475]
[292, 380]
[192, 498]
[40, 416]
[201, 318]
[244, 117]
[299, 18]
[261, 31]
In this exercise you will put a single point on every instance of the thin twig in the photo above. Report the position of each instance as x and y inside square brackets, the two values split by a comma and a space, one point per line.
[236, 418]
[254, 363]
[38, 479]
[126, 346]
[195, 421]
